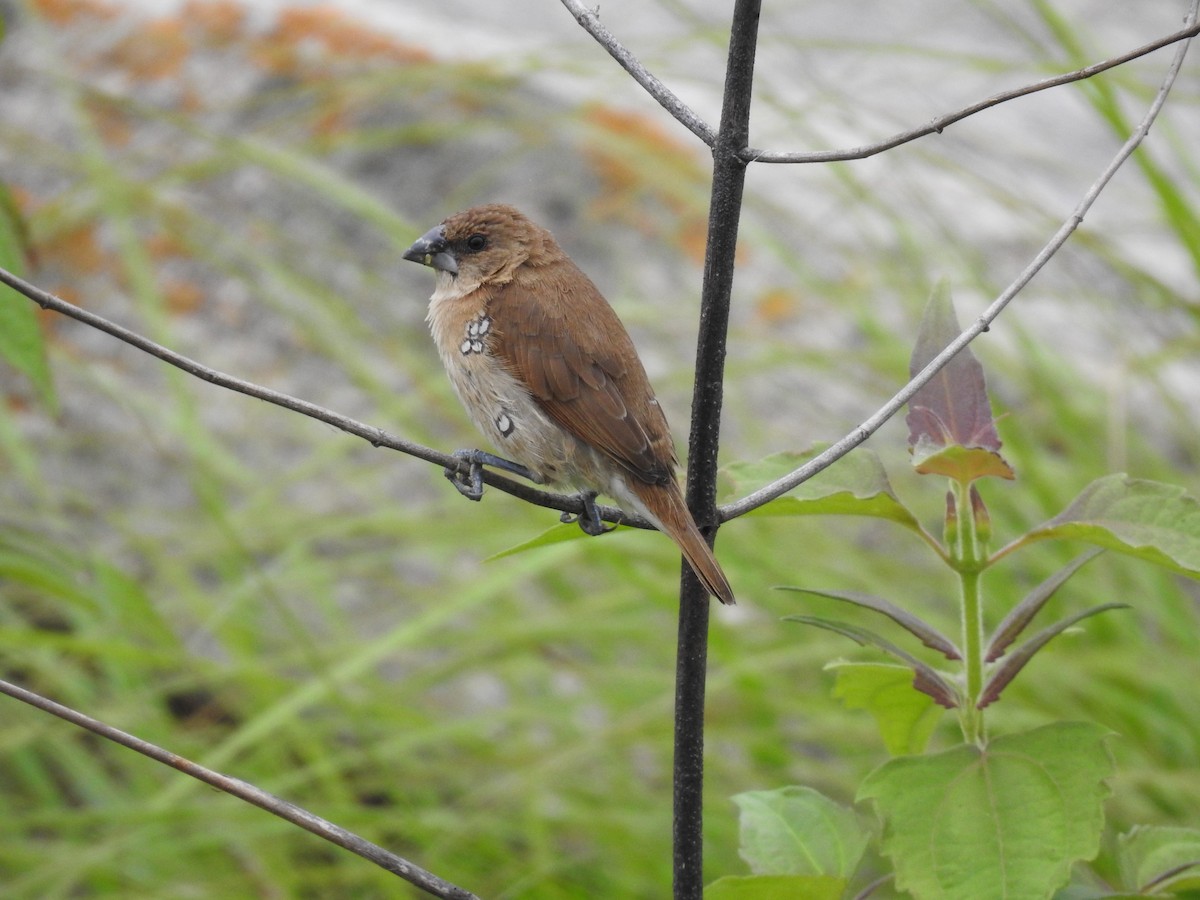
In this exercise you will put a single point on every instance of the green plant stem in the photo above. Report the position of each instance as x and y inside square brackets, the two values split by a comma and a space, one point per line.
[972, 644]
[968, 561]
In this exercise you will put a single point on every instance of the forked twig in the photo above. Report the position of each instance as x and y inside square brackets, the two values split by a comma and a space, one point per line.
[686, 116]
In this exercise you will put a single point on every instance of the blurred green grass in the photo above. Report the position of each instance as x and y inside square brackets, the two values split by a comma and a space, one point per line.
[287, 605]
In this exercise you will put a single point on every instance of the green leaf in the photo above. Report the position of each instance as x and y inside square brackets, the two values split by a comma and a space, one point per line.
[557, 534]
[743, 476]
[925, 677]
[776, 887]
[1007, 820]
[1018, 659]
[950, 427]
[1160, 858]
[799, 831]
[1156, 522]
[20, 338]
[1022, 614]
[1090, 892]
[906, 718]
[856, 485]
[922, 630]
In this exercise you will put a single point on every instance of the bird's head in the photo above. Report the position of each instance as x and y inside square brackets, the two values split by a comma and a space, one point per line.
[480, 245]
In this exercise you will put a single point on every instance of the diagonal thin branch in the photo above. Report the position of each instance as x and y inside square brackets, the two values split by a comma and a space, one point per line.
[781, 486]
[377, 437]
[289, 812]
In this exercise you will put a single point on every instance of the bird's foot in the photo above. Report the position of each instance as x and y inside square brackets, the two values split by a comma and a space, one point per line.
[470, 483]
[589, 520]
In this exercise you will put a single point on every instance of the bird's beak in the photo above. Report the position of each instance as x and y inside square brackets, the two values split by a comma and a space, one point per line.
[431, 249]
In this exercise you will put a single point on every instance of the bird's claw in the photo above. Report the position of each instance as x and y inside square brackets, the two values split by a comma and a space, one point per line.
[469, 483]
[589, 520]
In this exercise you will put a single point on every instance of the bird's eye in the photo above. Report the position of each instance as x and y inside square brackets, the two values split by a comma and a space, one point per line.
[476, 242]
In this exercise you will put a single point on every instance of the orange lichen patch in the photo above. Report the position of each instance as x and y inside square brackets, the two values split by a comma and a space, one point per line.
[692, 238]
[48, 320]
[76, 247]
[63, 12]
[111, 121]
[182, 296]
[24, 200]
[331, 118]
[154, 51]
[191, 99]
[321, 33]
[342, 36]
[163, 245]
[637, 160]
[219, 21]
[652, 141]
[775, 305]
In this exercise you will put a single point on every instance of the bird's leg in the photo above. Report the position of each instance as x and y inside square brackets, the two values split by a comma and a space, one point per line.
[589, 520]
[470, 484]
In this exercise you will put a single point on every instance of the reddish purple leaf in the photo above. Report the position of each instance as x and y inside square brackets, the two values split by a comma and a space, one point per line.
[928, 635]
[925, 678]
[953, 409]
[1022, 614]
[1007, 670]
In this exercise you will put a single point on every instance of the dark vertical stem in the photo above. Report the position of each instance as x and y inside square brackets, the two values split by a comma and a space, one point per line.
[729, 175]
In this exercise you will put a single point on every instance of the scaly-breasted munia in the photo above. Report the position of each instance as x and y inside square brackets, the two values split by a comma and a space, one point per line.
[549, 374]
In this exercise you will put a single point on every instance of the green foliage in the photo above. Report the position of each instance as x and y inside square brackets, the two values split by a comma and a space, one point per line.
[775, 887]
[1156, 522]
[857, 486]
[20, 340]
[797, 831]
[906, 718]
[995, 816]
[1157, 859]
[797, 842]
[1005, 820]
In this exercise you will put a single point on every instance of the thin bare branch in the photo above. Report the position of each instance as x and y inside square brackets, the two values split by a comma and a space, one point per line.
[835, 452]
[942, 122]
[377, 437]
[289, 812]
[590, 20]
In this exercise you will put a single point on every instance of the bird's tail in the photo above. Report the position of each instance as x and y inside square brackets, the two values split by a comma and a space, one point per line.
[668, 510]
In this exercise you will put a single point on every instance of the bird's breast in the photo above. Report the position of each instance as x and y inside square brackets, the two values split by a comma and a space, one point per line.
[501, 405]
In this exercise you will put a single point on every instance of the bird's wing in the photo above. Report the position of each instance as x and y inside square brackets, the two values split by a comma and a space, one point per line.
[558, 335]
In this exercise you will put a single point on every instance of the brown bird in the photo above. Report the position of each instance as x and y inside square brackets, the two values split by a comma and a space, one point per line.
[547, 371]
